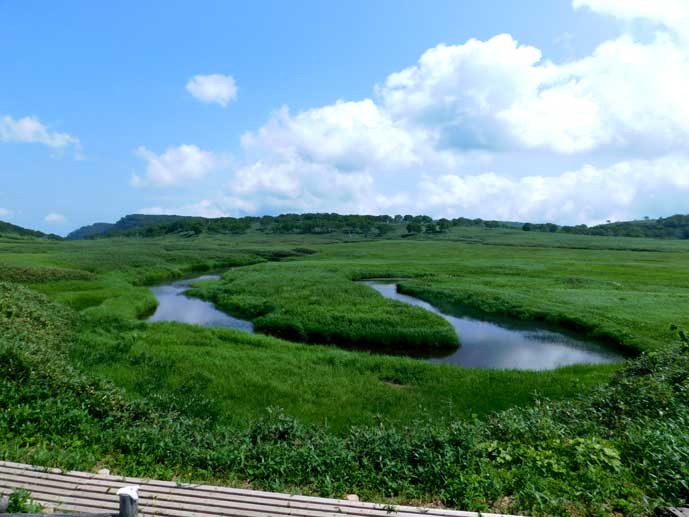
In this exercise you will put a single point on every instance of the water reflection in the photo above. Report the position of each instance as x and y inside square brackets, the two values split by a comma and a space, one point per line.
[173, 305]
[508, 344]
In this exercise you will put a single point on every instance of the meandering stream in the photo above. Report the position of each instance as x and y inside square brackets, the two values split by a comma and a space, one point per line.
[508, 343]
[495, 343]
[174, 305]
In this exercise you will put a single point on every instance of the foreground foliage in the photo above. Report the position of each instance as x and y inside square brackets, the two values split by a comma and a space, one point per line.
[623, 449]
[20, 502]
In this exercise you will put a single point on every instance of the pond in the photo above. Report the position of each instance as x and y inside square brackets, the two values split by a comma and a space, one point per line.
[174, 305]
[502, 343]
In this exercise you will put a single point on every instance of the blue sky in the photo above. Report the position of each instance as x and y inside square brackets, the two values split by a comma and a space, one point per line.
[570, 111]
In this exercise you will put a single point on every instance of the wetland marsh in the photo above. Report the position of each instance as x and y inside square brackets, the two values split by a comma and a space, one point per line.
[310, 400]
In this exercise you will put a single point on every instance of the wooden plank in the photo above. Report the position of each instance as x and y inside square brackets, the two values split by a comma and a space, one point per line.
[237, 491]
[83, 491]
[196, 505]
[341, 504]
[43, 481]
[61, 514]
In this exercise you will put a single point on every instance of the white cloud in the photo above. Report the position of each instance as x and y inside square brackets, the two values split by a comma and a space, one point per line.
[294, 184]
[624, 190]
[428, 140]
[499, 95]
[626, 96]
[204, 208]
[674, 14]
[455, 91]
[32, 130]
[55, 218]
[462, 107]
[213, 88]
[347, 135]
[177, 165]
[6, 212]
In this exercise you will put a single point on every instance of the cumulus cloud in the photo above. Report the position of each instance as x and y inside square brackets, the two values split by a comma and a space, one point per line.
[347, 135]
[177, 165]
[499, 95]
[673, 14]
[55, 218]
[295, 184]
[32, 130]
[591, 194]
[218, 88]
[462, 107]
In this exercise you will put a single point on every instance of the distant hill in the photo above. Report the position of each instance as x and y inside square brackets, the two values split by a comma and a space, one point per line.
[142, 225]
[90, 231]
[13, 229]
[673, 227]
[132, 224]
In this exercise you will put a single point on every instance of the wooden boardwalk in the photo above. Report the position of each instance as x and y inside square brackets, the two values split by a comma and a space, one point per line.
[73, 491]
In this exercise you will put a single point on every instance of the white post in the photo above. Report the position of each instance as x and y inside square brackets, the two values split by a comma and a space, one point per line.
[129, 500]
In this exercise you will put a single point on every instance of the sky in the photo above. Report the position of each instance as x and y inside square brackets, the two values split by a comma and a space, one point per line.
[568, 111]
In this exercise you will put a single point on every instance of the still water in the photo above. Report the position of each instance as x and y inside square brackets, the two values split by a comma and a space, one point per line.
[503, 343]
[173, 305]
[496, 344]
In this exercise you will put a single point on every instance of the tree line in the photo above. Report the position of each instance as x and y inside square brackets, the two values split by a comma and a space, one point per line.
[141, 225]
[673, 227]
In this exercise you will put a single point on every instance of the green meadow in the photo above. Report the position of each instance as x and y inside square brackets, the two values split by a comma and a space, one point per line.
[322, 399]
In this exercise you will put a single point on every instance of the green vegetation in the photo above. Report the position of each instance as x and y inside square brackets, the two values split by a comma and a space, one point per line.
[89, 232]
[138, 225]
[303, 303]
[87, 383]
[20, 502]
[673, 227]
[627, 298]
[11, 230]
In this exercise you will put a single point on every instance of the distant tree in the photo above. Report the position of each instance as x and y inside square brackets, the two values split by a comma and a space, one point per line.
[444, 225]
[383, 228]
[414, 227]
[527, 227]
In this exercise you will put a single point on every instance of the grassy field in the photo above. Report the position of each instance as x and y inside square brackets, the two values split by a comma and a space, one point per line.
[72, 331]
[624, 297]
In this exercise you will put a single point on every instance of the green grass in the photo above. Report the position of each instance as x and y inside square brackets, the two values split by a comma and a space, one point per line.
[90, 383]
[625, 297]
[621, 449]
[303, 303]
[239, 375]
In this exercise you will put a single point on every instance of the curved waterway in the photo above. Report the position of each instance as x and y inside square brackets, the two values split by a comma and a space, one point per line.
[174, 305]
[507, 343]
[495, 343]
